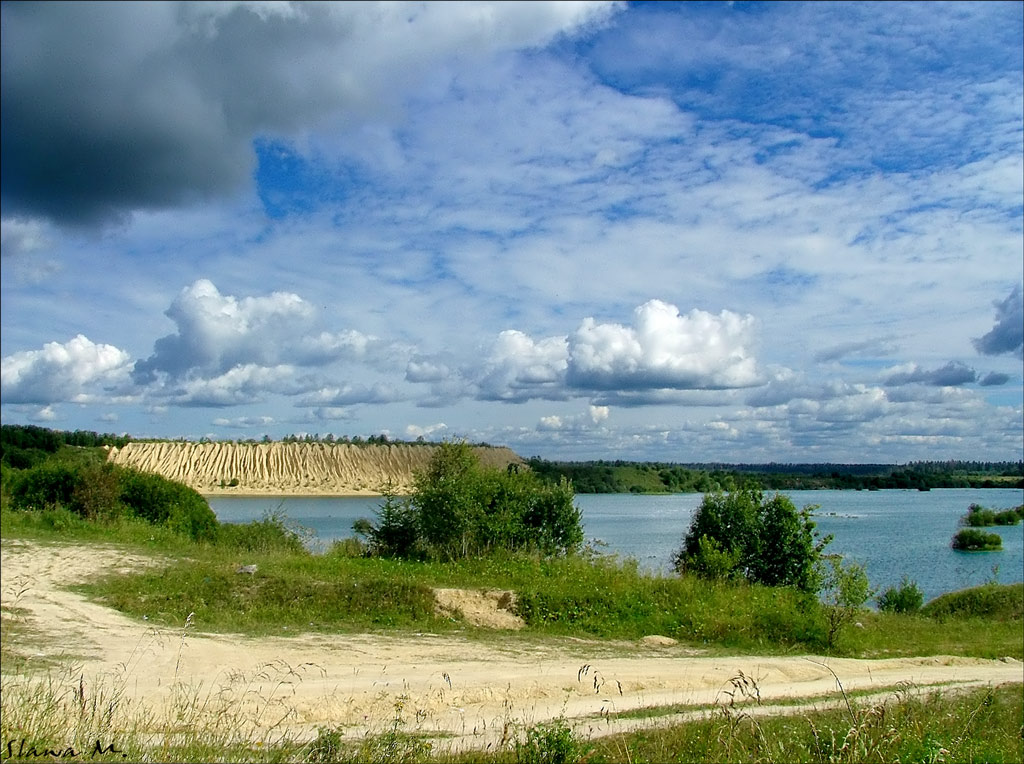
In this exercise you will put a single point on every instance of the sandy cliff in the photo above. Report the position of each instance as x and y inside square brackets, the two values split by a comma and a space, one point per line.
[289, 468]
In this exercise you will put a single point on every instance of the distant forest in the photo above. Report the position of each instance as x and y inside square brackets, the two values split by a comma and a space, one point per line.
[661, 477]
[22, 446]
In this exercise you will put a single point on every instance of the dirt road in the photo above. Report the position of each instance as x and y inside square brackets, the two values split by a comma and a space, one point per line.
[473, 692]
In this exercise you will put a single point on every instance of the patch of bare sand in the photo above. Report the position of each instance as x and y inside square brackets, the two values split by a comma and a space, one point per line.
[491, 609]
[470, 692]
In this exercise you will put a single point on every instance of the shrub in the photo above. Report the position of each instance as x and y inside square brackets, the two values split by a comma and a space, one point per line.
[993, 601]
[906, 598]
[552, 743]
[396, 533]
[743, 534]
[845, 589]
[45, 486]
[164, 502]
[458, 508]
[973, 540]
[267, 535]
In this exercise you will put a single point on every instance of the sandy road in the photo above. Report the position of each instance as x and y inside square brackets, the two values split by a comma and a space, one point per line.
[473, 692]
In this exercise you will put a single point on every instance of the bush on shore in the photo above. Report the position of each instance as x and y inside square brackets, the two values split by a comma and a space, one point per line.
[106, 492]
[460, 508]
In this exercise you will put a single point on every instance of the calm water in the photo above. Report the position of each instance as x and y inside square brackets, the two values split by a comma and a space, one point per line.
[893, 533]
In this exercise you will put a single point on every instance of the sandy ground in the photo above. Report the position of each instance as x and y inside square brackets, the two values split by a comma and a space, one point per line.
[471, 692]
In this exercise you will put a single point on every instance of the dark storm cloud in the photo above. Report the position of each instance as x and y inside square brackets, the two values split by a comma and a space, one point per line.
[112, 107]
[101, 115]
[1007, 336]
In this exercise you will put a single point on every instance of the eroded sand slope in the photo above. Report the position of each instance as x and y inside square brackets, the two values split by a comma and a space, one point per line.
[290, 468]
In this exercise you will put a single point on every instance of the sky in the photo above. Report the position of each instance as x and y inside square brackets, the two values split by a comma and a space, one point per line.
[697, 232]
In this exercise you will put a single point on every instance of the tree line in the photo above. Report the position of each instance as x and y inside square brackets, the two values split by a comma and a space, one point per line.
[661, 477]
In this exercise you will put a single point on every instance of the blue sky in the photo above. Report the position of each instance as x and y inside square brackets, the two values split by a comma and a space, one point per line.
[686, 232]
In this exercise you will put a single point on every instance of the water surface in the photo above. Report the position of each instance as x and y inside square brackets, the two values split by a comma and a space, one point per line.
[893, 533]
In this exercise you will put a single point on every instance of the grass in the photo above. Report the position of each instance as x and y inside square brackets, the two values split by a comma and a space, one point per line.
[293, 591]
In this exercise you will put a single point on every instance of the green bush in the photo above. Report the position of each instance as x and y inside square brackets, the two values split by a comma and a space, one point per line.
[743, 534]
[45, 486]
[993, 601]
[973, 540]
[906, 598]
[552, 743]
[459, 508]
[164, 502]
[267, 535]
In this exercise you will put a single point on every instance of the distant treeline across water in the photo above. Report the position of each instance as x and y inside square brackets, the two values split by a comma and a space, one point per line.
[21, 446]
[661, 477]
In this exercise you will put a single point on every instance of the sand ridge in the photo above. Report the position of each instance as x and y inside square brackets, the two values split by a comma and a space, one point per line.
[281, 469]
[467, 690]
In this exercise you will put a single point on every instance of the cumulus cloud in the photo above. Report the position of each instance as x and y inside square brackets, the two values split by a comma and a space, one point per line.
[413, 431]
[952, 374]
[245, 383]
[664, 349]
[77, 370]
[152, 105]
[350, 394]
[519, 368]
[1007, 336]
[217, 333]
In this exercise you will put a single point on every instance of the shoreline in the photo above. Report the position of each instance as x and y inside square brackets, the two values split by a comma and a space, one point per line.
[255, 493]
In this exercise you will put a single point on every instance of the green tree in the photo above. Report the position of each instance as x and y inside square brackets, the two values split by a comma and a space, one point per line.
[845, 590]
[463, 508]
[744, 535]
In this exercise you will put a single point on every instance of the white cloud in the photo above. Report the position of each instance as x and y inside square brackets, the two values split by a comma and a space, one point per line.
[412, 431]
[664, 350]
[79, 369]
[218, 333]
[245, 383]
[519, 368]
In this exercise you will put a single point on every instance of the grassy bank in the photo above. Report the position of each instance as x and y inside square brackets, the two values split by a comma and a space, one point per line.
[293, 591]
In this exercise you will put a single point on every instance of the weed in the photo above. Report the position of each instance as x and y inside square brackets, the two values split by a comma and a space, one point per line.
[552, 743]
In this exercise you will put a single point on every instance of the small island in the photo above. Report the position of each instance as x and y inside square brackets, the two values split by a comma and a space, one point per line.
[973, 540]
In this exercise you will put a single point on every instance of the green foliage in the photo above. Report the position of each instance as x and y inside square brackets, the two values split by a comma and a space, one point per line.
[459, 508]
[973, 540]
[991, 601]
[906, 598]
[96, 490]
[660, 477]
[981, 517]
[271, 534]
[396, 533]
[743, 534]
[845, 589]
[165, 502]
[552, 743]
[44, 486]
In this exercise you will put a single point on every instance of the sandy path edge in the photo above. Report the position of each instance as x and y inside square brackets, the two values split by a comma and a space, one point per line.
[470, 692]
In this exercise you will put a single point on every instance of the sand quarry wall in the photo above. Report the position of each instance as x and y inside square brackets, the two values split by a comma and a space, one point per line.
[282, 469]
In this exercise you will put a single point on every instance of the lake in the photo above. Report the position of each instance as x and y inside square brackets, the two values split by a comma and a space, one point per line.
[893, 533]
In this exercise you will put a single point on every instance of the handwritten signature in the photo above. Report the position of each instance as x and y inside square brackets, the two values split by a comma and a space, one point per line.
[21, 749]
